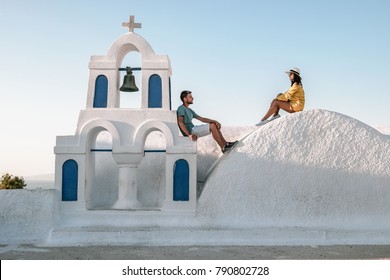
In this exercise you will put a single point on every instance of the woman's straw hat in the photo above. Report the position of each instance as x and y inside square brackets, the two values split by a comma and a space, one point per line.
[294, 70]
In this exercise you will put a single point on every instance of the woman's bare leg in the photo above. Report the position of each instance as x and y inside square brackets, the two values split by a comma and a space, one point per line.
[276, 105]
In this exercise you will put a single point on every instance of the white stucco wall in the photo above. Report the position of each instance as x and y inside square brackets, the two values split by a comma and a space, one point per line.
[26, 215]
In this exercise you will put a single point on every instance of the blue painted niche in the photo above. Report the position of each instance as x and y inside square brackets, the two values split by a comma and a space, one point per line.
[101, 92]
[181, 181]
[69, 180]
[155, 92]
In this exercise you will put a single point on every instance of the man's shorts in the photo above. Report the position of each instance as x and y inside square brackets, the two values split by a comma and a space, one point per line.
[201, 130]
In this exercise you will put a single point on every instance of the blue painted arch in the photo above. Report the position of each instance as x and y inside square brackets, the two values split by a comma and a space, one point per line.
[69, 180]
[181, 181]
[155, 92]
[101, 92]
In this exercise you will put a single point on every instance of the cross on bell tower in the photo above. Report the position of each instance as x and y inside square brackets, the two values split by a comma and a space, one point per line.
[131, 24]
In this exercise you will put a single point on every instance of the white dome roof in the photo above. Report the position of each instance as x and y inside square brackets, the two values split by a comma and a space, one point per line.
[310, 168]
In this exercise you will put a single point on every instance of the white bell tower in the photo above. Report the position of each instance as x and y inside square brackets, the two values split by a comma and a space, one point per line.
[128, 128]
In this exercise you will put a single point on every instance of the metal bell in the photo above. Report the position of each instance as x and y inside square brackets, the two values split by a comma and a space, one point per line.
[129, 82]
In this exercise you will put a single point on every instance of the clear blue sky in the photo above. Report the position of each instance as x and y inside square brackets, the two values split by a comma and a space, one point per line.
[231, 54]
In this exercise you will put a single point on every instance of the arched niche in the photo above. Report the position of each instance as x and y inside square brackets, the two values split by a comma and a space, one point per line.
[181, 180]
[70, 177]
[155, 91]
[101, 92]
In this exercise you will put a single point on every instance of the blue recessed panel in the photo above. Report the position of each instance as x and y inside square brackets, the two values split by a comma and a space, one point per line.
[181, 181]
[69, 180]
[155, 92]
[101, 92]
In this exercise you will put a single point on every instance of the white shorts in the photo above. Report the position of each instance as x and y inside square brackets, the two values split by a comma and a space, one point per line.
[201, 130]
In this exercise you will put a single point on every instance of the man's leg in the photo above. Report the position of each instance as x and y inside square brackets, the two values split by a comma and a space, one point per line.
[217, 135]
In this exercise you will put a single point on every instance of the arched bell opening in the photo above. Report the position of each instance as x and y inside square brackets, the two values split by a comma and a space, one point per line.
[131, 100]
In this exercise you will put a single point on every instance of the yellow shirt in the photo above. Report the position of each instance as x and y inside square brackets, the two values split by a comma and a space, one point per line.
[296, 96]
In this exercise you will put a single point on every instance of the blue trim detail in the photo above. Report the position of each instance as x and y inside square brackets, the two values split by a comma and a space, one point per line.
[155, 151]
[101, 150]
[101, 92]
[145, 151]
[69, 180]
[181, 181]
[155, 92]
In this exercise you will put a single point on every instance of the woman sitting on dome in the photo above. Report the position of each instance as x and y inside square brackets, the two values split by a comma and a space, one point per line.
[291, 101]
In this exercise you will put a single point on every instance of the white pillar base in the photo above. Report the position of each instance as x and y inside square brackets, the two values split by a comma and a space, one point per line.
[127, 192]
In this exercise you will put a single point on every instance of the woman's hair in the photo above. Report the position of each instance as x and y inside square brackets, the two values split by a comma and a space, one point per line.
[297, 79]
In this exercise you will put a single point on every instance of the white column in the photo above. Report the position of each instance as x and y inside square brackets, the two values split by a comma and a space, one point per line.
[127, 192]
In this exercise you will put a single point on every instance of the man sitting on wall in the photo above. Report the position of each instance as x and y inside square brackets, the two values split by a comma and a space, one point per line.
[187, 128]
